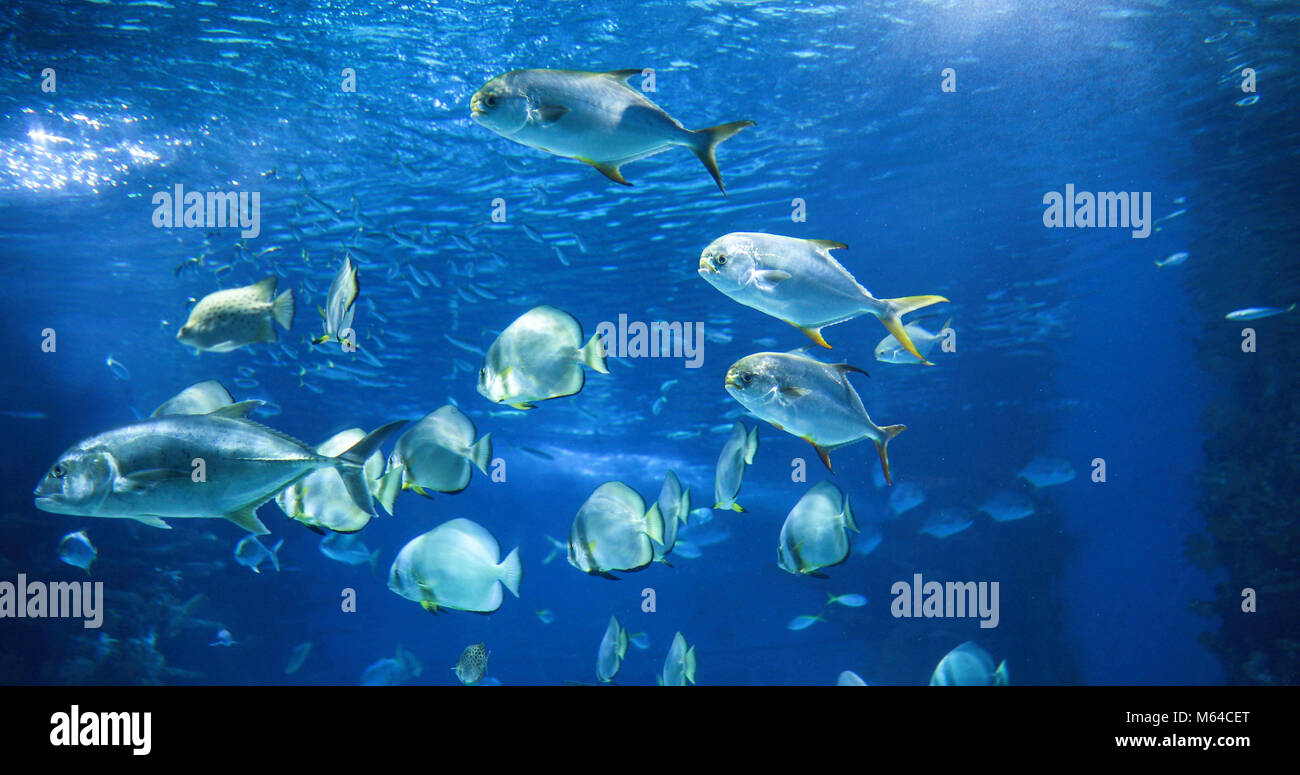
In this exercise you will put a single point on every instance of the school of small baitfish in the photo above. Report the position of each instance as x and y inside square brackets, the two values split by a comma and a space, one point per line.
[148, 470]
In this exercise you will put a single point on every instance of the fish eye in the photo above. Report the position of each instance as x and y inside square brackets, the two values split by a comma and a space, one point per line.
[58, 472]
[722, 260]
[490, 100]
[748, 377]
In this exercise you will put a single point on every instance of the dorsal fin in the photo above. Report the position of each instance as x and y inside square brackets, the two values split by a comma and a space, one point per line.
[847, 367]
[239, 409]
[624, 75]
[266, 287]
[309, 449]
[829, 244]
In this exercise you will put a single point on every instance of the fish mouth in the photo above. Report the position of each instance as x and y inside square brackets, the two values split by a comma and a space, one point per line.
[731, 382]
[476, 106]
[48, 503]
[706, 267]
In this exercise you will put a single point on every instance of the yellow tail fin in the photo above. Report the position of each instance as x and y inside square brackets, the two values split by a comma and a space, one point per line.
[893, 319]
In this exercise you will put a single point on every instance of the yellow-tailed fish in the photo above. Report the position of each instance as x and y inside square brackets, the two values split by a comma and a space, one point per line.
[797, 280]
[809, 399]
[596, 118]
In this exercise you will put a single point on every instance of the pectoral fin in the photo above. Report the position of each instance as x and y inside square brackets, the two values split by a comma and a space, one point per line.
[548, 114]
[139, 481]
[790, 391]
[153, 521]
[768, 279]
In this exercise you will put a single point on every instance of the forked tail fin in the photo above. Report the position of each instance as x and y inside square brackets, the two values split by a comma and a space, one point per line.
[351, 464]
[705, 144]
[892, 317]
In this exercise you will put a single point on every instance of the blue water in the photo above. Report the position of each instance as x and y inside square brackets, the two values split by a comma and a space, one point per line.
[1070, 343]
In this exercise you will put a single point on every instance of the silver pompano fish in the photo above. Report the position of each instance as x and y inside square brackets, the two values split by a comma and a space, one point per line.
[889, 350]
[808, 399]
[538, 357]
[348, 548]
[146, 470]
[596, 118]
[797, 280]
[225, 320]
[251, 553]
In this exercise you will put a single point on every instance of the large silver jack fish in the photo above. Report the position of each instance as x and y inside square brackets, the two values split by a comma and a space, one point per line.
[213, 465]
